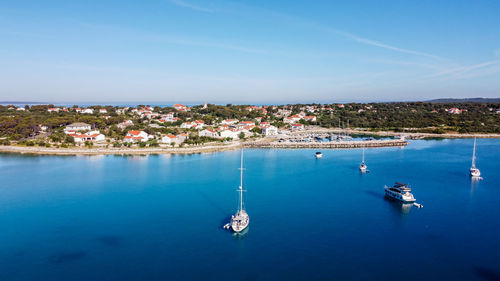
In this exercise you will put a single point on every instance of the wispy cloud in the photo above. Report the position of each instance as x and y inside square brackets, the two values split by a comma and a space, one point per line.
[460, 71]
[291, 19]
[190, 6]
[383, 45]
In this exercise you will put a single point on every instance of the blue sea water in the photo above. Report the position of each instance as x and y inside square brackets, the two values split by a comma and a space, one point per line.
[160, 217]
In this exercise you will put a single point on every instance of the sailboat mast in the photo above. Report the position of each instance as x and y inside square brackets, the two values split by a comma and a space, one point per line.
[474, 155]
[241, 182]
[340, 130]
[363, 160]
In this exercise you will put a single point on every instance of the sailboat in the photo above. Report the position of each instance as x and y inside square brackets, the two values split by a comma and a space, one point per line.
[362, 166]
[474, 172]
[240, 220]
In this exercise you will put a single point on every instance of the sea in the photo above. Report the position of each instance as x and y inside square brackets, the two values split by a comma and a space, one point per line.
[161, 217]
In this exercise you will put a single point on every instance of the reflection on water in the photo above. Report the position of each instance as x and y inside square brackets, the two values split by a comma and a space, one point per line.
[403, 208]
[241, 235]
[474, 182]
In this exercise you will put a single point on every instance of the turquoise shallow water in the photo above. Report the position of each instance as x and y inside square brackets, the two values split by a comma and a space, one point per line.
[160, 217]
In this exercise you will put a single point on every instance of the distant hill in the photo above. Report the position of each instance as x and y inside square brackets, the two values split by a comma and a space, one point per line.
[451, 100]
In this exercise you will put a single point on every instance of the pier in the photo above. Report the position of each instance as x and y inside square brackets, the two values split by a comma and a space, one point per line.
[331, 144]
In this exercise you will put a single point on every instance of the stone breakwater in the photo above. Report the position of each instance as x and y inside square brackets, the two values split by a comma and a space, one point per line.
[339, 144]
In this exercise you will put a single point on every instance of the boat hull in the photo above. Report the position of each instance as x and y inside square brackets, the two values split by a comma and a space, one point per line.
[240, 221]
[400, 197]
[475, 172]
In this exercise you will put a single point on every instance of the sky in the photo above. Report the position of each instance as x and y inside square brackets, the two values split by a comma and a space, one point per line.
[252, 51]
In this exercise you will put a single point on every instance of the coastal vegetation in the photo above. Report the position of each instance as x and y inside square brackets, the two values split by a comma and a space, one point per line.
[44, 125]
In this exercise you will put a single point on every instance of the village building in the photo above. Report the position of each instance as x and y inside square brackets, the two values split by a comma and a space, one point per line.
[270, 131]
[230, 133]
[310, 118]
[297, 127]
[173, 139]
[78, 127]
[125, 124]
[137, 136]
[92, 136]
[229, 121]
[181, 107]
[208, 133]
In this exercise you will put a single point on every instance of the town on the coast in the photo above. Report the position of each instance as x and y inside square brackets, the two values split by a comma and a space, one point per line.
[298, 125]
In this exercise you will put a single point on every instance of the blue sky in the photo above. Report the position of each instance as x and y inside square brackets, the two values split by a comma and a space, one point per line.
[248, 51]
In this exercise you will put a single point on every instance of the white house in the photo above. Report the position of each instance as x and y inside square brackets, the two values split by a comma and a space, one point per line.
[168, 139]
[270, 131]
[181, 107]
[229, 121]
[297, 127]
[229, 134]
[208, 133]
[53, 109]
[136, 136]
[88, 111]
[103, 110]
[246, 123]
[198, 124]
[310, 118]
[125, 124]
[78, 127]
[89, 136]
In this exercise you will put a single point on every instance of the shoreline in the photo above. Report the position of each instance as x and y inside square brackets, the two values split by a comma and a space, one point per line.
[114, 151]
[259, 143]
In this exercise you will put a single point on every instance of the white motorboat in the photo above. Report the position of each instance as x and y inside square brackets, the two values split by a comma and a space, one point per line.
[401, 192]
[318, 155]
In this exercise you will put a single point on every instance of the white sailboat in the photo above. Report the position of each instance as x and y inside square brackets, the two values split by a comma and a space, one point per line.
[474, 172]
[240, 220]
[362, 166]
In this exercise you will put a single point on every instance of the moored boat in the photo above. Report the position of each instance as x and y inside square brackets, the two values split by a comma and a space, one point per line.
[474, 172]
[240, 220]
[362, 166]
[318, 155]
[401, 192]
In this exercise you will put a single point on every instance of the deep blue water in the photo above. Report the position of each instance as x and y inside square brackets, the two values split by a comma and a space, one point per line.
[160, 217]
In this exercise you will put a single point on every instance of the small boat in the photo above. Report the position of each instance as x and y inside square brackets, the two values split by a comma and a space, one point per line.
[474, 172]
[362, 166]
[401, 192]
[240, 220]
[318, 155]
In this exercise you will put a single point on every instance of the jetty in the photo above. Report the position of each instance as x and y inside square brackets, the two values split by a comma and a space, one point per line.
[331, 144]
